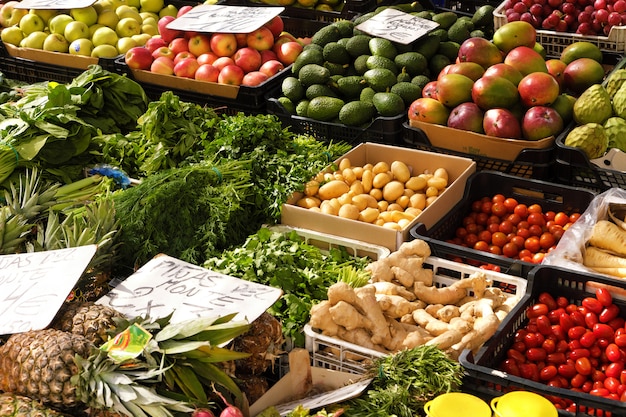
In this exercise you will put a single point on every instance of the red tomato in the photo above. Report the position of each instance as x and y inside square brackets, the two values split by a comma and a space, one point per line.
[549, 372]
[604, 296]
[578, 353]
[614, 369]
[536, 219]
[561, 218]
[562, 302]
[592, 304]
[506, 227]
[498, 198]
[522, 210]
[617, 323]
[549, 345]
[510, 250]
[588, 339]
[578, 380]
[499, 209]
[511, 367]
[611, 384]
[567, 370]
[532, 244]
[608, 313]
[603, 331]
[543, 325]
[583, 366]
[613, 353]
[510, 204]
[535, 208]
[573, 217]
[499, 239]
[599, 392]
[578, 318]
[481, 245]
[537, 258]
[536, 354]
[547, 299]
[566, 321]
[620, 340]
[556, 358]
[591, 319]
[547, 240]
[555, 314]
[576, 332]
[515, 355]
[536, 310]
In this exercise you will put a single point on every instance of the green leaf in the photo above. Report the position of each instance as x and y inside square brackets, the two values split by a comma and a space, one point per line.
[184, 329]
[173, 347]
[190, 383]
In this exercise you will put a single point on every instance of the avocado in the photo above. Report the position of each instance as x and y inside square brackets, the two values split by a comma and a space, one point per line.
[301, 108]
[366, 94]
[460, 31]
[445, 19]
[324, 108]
[427, 45]
[287, 104]
[382, 47]
[414, 62]
[408, 91]
[350, 87]
[380, 79]
[326, 34]
[292, 88]
[358, 45]
[336, 53]
[360, 64]
[420, 80]
[345, 27]
[307, 56]
[437, 63]
[318, 90]
[483, 16]
[335, 69]
[449, 49]
[375, 61]
[388, 104]
[357, 113]
[313, 74]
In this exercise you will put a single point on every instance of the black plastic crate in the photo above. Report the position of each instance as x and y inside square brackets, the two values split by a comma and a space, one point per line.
[385, 130]
[349, 10]
[529, 163]
[487, 183]
[483, 376]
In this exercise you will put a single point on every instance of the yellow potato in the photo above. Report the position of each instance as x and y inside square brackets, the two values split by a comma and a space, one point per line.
[345, 198]
[344, 163]
[358, 171]
[357, 187]
[393, 190]
[311, 188]
[432, 192]
[403, 201]
[413, 211]
[369, 215]
[386, 216]
[394, 207]
[332, 189]
[366, 199]
[382, 205]
[366, 180]
[377, 193]
[441, 173]
[430, 200]
[349, 211]
[418, 201]
[381, 167]
[416, 183]
[348, 175]
[381, 179]
[308, 202]
[437, 182]
[400, 171]
[327, 207]
[392, 225]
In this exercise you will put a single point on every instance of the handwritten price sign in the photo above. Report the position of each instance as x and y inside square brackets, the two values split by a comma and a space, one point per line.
[226, 19]
[53, 4]
[165, 285]
[33, 286]
[397, 26]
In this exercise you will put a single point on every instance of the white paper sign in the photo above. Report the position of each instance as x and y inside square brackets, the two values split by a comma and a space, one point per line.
[166, 284]
[54, 4]
[227, 19]
[33, 286]
[398, 26]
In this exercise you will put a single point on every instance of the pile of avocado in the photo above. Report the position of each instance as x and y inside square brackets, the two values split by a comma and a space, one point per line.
[347, 76]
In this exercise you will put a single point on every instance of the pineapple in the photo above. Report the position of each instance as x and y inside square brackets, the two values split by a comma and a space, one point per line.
[91, 320]
[65, 371]
[12, 405]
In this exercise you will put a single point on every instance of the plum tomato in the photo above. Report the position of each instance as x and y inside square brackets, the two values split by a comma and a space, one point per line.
[608, 313]
[604, 296]
[613, 353]
[583, 366]
[603, 331]
[548, 373]
[536, 310]
[547, 299]
[592, 304]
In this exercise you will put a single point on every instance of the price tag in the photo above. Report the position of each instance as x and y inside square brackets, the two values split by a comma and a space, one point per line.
[397, 26]
[226, 19]
[54, 4]
[33, 286]
[166, 284]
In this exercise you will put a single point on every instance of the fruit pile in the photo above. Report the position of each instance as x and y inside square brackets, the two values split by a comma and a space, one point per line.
[572, 346]
[502, 226]
[345, 75]
[105, 29]
[247, 59]
[586, 17]
[506, 88]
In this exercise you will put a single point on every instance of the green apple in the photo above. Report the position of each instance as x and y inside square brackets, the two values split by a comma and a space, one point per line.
[57, 23]
[81, 46]
[34, 40]
[93, 28]
[169, 10]
[11, 15]
[150, 30]
[124, 44]
[13, 35]
[151, 21]
[87, 15]
[142, 38]
[104, 36]
[104, 51]
[30, 23]
[108, 18]
[127, 11]
[127, 26]
[56, 42]
[154, 6]
[134, 3]
[45, 14]
[148, 15]
[76, 30]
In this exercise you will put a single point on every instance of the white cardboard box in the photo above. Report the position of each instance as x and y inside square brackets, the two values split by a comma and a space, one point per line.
[459, 169]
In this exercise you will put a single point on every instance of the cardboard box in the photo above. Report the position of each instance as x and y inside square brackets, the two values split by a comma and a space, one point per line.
[55, 58]
[459, 169]
[477, 144]
[341, 385]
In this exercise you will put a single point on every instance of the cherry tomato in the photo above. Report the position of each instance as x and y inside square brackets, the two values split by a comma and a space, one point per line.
[481, 245]
[614, 369]
[529, 371]
[567, 370]
[578, 380]
[537, 258]
[591, 319]
[535, 208]
[536, 310]
[613, 353]
[532, 244]
[561, 218]
[578, 353]
[602, 330]
[536, 354]
[522, 210]
[620, 340]
[555, 314]
[566, 321]
[573, 217]
[604, 297]
[506, 227]
[547, 240]
[547, 299]
[608, 313]
[576, 332]
[592, 304]
[499, 239]
[562, 302]
[510, 204]
[549, 372]
[516, 355]
[536, 219]
[510, 250]
[499, 209]
[544, 326]
[556, 358]
[498, 198]
[511, 367]
[588, 339]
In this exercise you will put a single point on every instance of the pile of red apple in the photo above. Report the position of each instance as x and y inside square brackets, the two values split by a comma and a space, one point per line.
[587, 17]
[505, 88]
[247, 59]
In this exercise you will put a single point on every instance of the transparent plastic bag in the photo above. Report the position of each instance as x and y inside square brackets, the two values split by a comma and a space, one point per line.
[571, 248]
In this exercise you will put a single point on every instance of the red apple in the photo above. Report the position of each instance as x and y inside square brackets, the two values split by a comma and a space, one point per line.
[254, 78]
[231, 74]
[186, 67]
[207, 58]
[184, 9]
[242, 39]
[268, 55]
[261, 39]
[222, 61]
[276, 25]
[199, 44]
[541, 122]
[288, 52]
[162, 65]
[467, 116]
[154, 43]
[182, 55]
[207, 72]
[163, 51]
[178, 45]
[138, 57]
[223, 44]
[248, 59]
[538, 89]
[168, 34]
[271, 67]
[501, 123]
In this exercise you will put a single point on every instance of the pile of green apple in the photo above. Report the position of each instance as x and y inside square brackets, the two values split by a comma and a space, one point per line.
[106, 29]
[247, 59]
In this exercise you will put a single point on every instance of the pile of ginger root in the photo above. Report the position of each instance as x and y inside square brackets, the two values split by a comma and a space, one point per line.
[401, 308]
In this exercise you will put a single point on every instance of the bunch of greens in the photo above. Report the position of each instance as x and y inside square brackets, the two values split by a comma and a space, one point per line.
[283, 259]
[404, 381]
[188, 213]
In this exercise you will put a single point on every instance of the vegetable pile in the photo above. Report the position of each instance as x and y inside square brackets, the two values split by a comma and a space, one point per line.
[402, 308]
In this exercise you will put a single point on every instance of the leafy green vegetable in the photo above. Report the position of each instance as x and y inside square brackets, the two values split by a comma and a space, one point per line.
[404, 381]
[285, 260]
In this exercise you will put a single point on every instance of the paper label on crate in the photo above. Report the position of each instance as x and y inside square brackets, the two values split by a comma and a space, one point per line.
[33, 286]
[54, 4]
[614, 159]
[215, 18]
[166, 284]
[397, 26]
